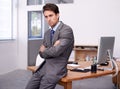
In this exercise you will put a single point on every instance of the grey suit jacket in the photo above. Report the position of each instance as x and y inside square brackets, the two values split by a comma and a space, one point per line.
[56, 57]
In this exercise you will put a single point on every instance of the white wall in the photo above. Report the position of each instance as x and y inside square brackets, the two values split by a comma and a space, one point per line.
[22, 34]
[89, 19]
[13, 54]
[8, 56]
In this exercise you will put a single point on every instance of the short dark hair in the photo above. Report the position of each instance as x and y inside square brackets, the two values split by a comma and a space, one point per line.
[51, 7]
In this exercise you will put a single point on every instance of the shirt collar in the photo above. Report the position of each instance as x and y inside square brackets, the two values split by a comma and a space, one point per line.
[55, 27]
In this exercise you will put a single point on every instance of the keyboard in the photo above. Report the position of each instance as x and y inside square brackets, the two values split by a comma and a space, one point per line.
[80, 70]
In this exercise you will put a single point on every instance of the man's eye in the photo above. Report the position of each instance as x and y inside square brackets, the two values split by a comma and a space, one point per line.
[50, 15]
[45, 16]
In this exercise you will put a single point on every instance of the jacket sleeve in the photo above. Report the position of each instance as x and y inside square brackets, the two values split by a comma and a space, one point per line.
[66, 39]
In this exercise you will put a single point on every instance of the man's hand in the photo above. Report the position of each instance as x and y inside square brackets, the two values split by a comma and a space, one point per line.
[42, 48]
[57, 43]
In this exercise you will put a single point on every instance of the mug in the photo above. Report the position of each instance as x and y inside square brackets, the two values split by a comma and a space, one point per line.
[93, 68]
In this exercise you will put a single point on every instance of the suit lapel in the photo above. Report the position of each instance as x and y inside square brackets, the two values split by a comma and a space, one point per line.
[56, 35]
[47, 38]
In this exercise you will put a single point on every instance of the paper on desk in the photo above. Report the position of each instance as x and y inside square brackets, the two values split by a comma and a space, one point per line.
[39, 60]
[73, 65]
[88, 67]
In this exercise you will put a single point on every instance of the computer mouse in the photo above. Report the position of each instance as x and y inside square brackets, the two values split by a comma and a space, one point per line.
[104, 64]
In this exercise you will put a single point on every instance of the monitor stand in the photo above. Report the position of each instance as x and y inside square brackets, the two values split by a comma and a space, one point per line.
[111, 59]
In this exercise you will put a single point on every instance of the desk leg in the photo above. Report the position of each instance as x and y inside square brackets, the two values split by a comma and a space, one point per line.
[66, 85]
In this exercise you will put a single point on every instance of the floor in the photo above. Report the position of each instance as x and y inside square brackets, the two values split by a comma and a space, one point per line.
[104, 82]
[18, 79]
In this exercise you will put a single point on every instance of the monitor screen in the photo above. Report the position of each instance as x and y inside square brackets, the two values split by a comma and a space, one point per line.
[106, 44]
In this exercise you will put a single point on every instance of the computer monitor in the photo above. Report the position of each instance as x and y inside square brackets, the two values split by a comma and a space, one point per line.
[105, 49]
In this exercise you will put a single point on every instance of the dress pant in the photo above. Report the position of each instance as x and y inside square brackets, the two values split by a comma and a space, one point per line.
[41, 80]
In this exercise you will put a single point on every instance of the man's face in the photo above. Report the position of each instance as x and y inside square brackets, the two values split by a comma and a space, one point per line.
[51, 18]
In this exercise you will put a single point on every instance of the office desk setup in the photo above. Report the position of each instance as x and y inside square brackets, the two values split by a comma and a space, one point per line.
[66, 81]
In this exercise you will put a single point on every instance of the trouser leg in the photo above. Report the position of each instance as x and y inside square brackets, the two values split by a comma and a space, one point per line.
[34, 82]
[48, 82]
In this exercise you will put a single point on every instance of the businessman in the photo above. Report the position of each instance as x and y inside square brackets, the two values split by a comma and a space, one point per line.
[57, 46]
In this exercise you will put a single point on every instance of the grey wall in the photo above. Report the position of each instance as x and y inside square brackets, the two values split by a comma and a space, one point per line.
[33, 50]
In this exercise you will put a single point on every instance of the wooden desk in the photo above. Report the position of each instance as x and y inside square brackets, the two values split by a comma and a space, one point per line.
[71, 76]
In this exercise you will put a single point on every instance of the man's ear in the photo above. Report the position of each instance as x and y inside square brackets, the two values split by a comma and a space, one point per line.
[58, 15]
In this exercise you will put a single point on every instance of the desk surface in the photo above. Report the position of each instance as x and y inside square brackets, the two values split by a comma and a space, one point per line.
[80, 75]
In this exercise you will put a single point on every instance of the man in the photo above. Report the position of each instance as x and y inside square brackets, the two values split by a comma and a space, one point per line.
[55, 51]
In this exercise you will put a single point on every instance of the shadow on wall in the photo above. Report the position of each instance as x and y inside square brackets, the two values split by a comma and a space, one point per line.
[38, 2]
[58, 1]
